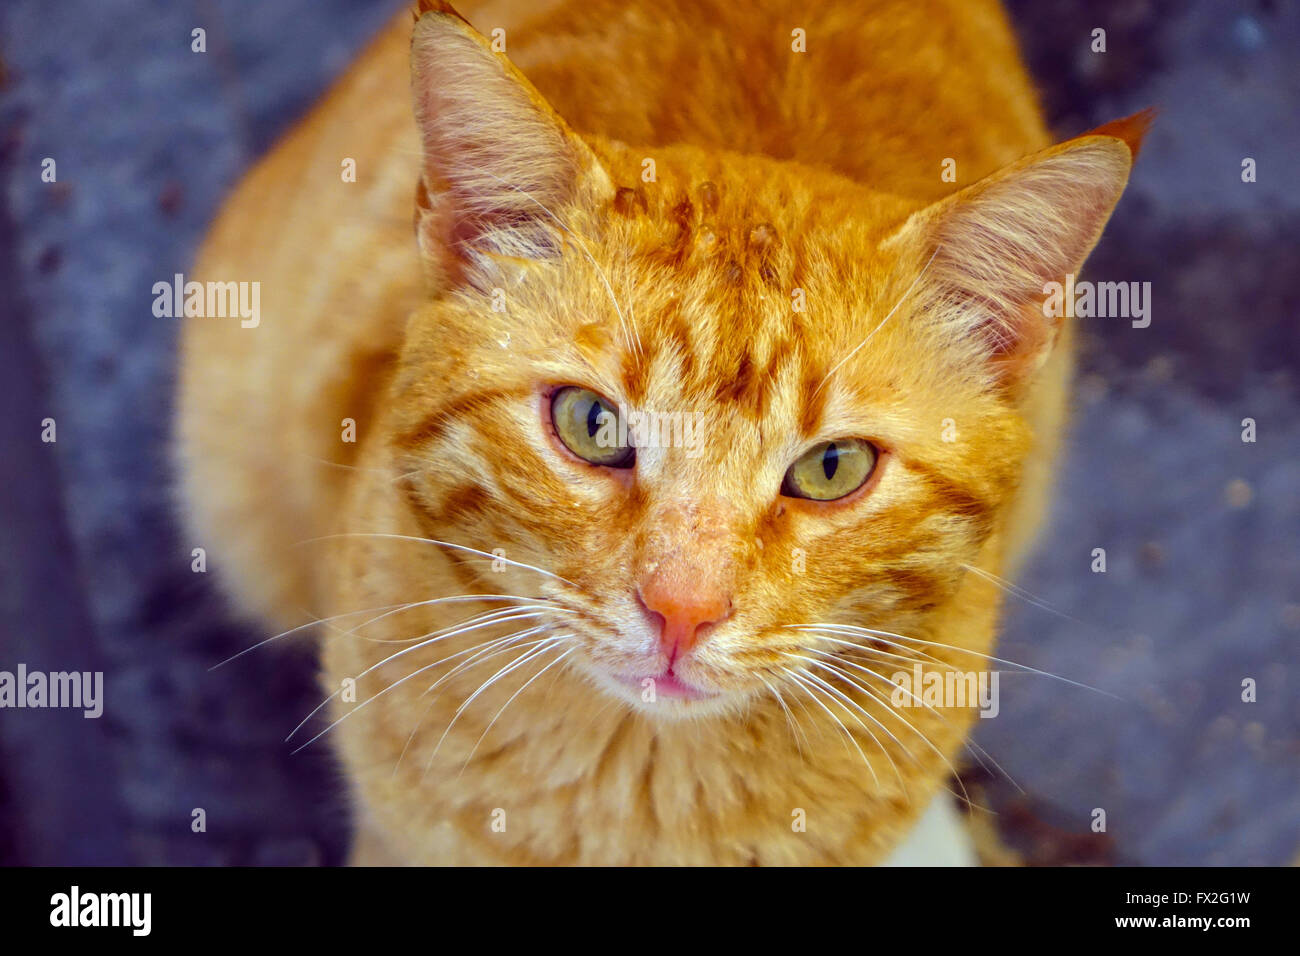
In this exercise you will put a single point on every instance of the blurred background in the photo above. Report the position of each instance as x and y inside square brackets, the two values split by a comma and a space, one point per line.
[1200, 529]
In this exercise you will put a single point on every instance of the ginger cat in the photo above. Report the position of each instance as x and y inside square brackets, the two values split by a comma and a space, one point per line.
[699, 403]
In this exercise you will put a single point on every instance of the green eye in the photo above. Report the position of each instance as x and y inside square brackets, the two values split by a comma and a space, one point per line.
[590, 427]
[830, 470]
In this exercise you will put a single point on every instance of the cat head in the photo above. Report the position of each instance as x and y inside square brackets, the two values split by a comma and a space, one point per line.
[726, 404]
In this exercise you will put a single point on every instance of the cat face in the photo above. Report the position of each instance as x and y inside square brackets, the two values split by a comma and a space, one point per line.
[726, 411]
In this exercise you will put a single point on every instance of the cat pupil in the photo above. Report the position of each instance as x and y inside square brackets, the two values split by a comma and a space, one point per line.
[830, 461]
[593, 419]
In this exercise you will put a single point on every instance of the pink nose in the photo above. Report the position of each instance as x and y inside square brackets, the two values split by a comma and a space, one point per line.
[682, 612]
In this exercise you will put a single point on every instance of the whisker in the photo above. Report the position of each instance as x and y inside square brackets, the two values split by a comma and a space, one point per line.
[844, 675]
[809, 689]
[523, 659]
[846, 628]
[301, 627]
[498, 714]
[393, 685]
[890, 315]
[845, 699]
[873, 654]
[974, 748]
[1016, 590]
[440, 636]
[498, 646]
[627, 258]
[825, 630]
[789, 717]
[451, 599]
[506, 613]
[445, 544]
[343, 465]
[581, 243]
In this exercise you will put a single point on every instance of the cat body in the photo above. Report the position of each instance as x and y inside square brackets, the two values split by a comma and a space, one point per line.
[734, 214]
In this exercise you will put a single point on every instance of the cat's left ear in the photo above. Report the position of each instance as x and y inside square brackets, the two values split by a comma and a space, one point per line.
[989, 250]
[501, 168]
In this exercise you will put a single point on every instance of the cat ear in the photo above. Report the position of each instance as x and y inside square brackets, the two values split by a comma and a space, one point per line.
[992, 247]
[499, 163]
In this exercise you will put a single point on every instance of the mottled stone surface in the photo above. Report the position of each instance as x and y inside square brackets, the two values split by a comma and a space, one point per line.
[1200, 530]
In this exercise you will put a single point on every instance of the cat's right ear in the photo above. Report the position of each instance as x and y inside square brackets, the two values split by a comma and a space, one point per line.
[501, 168]
[987, 253]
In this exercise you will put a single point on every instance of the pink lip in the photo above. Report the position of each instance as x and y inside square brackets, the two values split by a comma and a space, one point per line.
[670, 685]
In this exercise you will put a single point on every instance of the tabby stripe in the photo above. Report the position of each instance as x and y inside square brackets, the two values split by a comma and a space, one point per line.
[435, 424]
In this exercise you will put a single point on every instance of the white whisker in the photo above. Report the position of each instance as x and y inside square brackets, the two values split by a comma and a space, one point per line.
[789, 717]
[633, 340]
[846, 702]
[498, 714]
[890, 314]
[851, 629]
[523, 659]
[445, 544]
[499, 646]
[844, 675]
[440, 636]
[808, 689]
[1016, 591]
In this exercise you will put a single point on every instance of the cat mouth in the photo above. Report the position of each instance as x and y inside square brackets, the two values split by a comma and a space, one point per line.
[667, 685]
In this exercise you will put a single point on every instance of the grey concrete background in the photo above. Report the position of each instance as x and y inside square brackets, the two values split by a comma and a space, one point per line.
[1200, 529]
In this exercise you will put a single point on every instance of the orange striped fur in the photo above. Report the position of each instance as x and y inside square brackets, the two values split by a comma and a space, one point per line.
[781, 179]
